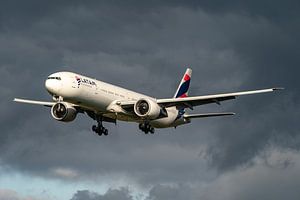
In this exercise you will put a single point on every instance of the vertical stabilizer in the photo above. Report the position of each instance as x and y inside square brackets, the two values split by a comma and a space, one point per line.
[182, 90]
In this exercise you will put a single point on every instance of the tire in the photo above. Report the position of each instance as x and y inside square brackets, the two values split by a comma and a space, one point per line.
[152, 130]
[105, 132]
[141, 126]
[148, 127]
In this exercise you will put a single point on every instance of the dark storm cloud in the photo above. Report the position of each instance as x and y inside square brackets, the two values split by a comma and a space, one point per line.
[111, 194]
[261, 181]
[146, 47]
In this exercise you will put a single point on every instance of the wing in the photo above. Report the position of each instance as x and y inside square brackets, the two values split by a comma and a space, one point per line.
[43, 103]
[90, 113]
[190, 102]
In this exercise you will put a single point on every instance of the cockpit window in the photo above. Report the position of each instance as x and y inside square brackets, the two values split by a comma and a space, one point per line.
[57, 78]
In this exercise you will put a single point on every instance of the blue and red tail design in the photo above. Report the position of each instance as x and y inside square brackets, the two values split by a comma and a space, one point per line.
[182, 90]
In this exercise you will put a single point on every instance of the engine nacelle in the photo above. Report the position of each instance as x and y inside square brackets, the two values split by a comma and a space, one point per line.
[63, 111]
[148, 109]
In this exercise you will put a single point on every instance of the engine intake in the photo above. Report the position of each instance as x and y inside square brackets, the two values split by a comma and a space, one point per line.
[148, 109]
[63, 111]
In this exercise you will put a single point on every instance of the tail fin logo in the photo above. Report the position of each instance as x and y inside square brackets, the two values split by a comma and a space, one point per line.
[184, 85]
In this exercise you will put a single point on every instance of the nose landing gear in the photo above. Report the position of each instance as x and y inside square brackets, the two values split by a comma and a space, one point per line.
[146, 128]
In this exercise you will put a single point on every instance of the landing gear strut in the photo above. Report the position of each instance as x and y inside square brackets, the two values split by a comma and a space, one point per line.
[146, 128]
[99, 129]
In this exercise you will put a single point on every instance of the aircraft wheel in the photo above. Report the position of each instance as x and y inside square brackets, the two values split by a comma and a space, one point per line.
[105, 132]
[141, 126]
[152, 130]
[147, 126]
[94, 128]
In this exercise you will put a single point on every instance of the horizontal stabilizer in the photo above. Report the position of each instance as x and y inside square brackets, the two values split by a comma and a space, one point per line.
[207, 115]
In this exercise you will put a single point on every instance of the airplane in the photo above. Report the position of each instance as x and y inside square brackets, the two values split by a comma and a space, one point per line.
[73, 93]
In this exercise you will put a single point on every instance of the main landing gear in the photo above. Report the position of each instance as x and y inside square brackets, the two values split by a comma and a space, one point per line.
[100, 129]
[146, 128]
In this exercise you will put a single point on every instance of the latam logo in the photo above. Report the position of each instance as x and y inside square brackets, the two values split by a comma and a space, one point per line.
[84, 81]
[182, 92]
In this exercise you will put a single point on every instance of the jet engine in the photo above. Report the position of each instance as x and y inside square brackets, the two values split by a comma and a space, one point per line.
[148, 109]
[63, 111]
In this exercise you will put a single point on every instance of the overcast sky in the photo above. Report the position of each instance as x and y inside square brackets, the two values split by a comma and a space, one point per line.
[146, 46]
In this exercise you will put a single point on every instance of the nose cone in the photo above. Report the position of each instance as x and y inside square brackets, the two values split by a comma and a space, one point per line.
[53, 85]
[50, 86]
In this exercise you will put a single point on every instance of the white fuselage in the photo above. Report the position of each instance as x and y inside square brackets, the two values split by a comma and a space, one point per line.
[101, 97]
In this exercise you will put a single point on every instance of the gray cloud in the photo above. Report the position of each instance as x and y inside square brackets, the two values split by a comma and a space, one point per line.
[264, 180]
[111, 194]
[146, 47]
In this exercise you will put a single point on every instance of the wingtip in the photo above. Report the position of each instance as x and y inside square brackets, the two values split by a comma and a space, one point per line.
[17, 99]
[278, 88]
[230, 113]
